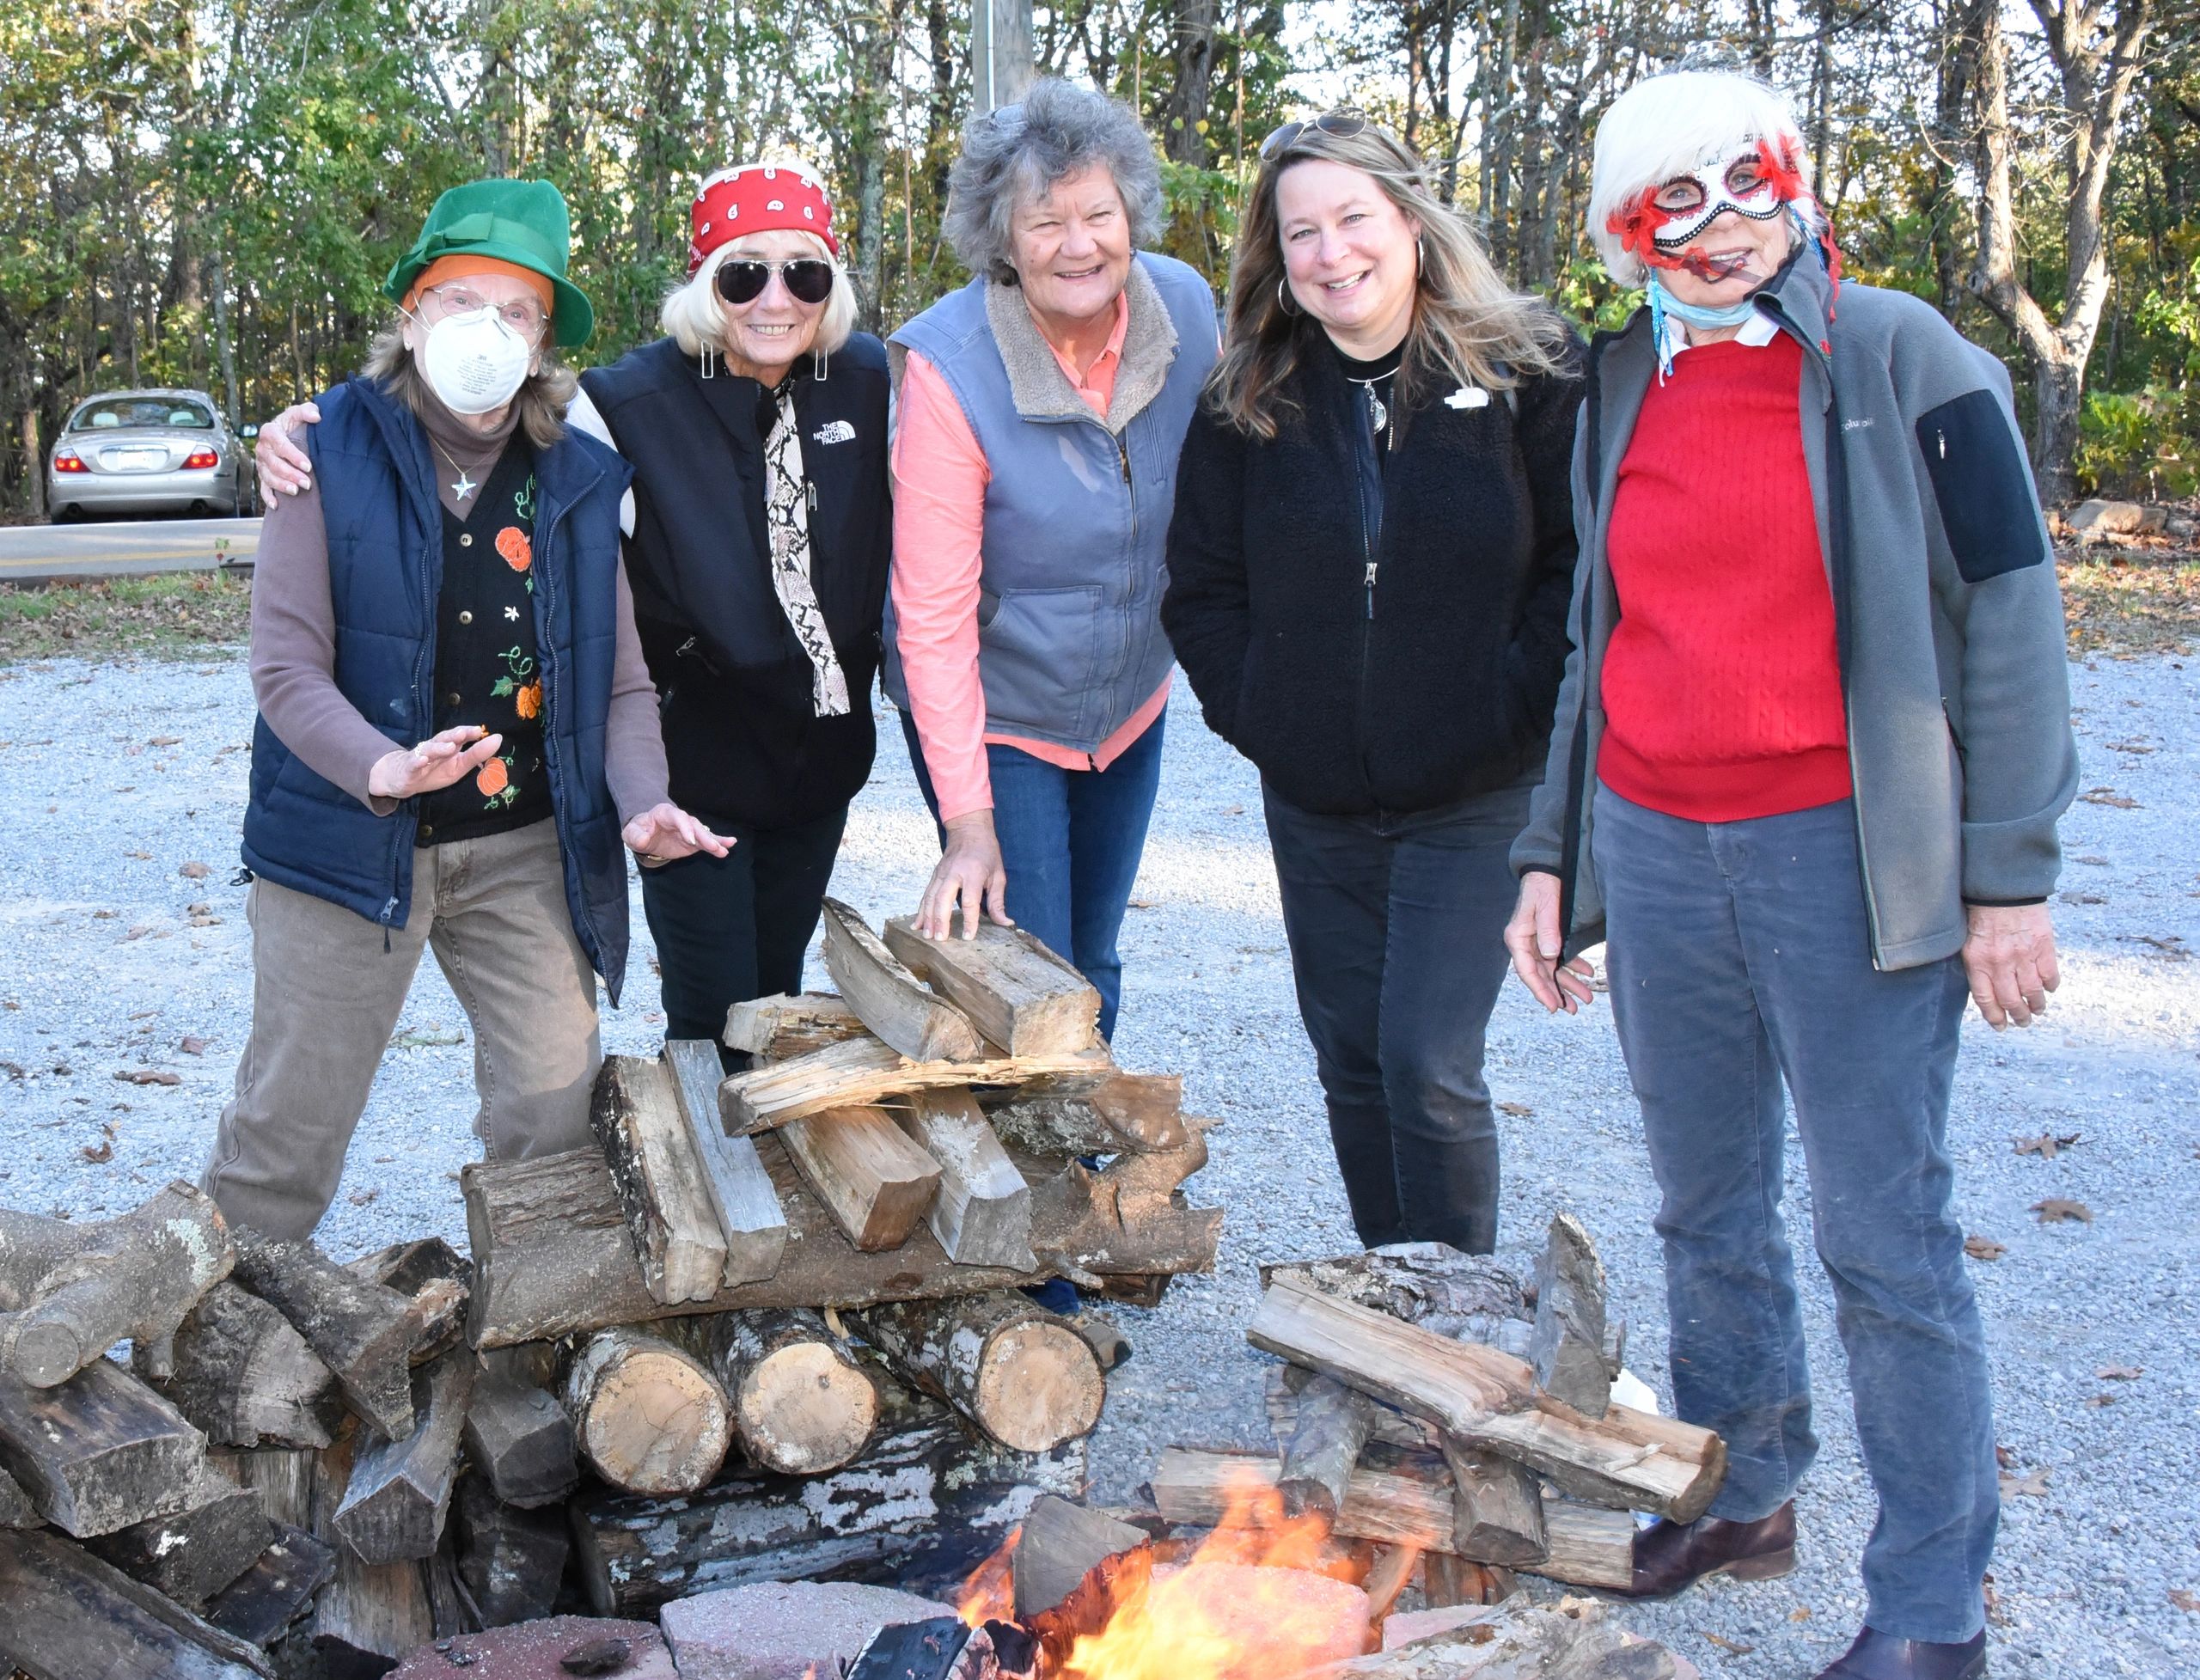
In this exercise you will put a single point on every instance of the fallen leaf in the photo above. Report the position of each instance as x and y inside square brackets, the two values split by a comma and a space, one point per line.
[148, 1076]
[1141, 904]
[1235, 810]
[164, 741]
[1983, 1248]
[98, 1154]
[2084, 898]
[13, 1070]
[193, 1045]
[2182, 1599]
[2121, 1373]
[2109, 795]
[361, 1198]
[194, 870]
[1800, 1613]
[1729, 1644]
[142, 857]
[2005, 1458]
[2134, 745]
[1519, 1109]
[2056, 1210]
[105, 915]
[2101, 1399]
[2047, 1145]
[2032, 1486]
[1993, 1603]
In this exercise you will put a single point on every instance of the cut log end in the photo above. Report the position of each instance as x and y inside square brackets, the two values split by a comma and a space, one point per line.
[1040, 1385]
[804, 1410]
[647, 1415]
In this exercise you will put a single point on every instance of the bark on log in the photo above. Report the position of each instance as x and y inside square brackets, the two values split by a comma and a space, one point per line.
[1019, 994]
[1141, 1112]
[660, 1177]
[1060, 1543]
[1569, 1349]
[510, 1560]
[863, 1070]
[874, 1182]
[1572, 1639]
[647, 1414]
[1588, 1546]
[100, 1451]
[898, 1007]
[245, 1376]
[776, 1028]
[69, 1293]
[802, 1405]
[750, 1220]
[276, 1589]
[16, 1511]
[1391, 1427]
[1465, 1297]
[982, 1213]
[1333, 1425]
[67, 1613]
[411, 1265]
[1128, 1216]
[1397, 1498]
[393, 1505]
[1020, 1373]
[516, 1433]
[195, 1554]
[1500, 1506]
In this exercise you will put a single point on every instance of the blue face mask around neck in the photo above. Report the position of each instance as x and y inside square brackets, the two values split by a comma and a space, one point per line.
[1663, 303]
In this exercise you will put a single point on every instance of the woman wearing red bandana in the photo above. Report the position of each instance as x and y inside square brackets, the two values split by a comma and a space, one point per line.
[1810, 753]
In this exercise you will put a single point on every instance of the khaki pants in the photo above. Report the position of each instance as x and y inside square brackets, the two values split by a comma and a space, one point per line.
[326, 996]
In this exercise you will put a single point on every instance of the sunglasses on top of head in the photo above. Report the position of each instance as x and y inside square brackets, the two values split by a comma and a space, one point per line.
[808, 280]
[1343, 124]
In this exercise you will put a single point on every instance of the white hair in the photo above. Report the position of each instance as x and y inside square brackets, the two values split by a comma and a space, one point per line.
[1669, 124]
[692, 315]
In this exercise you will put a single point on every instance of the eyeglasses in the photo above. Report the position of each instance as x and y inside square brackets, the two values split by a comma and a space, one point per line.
[523, 315]
[808, 280]
[1343, 124]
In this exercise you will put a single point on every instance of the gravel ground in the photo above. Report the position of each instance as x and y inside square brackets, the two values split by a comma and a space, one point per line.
[117, 779]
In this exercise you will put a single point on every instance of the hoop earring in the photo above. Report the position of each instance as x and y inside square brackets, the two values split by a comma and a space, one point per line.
[1420, 257]
[1283, 297]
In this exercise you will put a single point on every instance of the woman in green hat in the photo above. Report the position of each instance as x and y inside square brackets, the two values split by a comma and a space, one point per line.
[456, 728]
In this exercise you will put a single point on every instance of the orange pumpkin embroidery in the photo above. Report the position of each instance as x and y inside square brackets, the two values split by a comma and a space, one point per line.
[492, 779]
[519, 553]
[529, 701]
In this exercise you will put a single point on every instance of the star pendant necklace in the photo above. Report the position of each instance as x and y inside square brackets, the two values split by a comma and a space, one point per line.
[465, 486]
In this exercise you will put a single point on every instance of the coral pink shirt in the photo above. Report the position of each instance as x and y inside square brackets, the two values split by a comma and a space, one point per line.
[940, 475]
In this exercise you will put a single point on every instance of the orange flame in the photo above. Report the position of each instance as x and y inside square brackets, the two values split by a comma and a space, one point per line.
[989, 1592]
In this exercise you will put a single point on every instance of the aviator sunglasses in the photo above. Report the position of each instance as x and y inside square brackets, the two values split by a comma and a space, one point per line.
[1342, 124]
[809, 280]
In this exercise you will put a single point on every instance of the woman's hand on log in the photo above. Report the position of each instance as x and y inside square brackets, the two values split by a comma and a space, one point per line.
[284, 466]
[664, 833]
[436, 762]
[2009, 956]
[970, 874]
[1533, 938]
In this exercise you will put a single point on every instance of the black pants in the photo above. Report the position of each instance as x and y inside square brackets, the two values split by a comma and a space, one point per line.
[1397, 928]
[735, 927]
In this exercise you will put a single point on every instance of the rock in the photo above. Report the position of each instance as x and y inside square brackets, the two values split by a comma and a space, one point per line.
[538, 1650]
[779, 1630]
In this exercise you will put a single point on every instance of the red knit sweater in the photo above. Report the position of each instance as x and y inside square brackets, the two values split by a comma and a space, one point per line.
[1721, 685]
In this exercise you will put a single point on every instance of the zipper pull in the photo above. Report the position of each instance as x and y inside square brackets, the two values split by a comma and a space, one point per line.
[1123, 453]
[1369, 581]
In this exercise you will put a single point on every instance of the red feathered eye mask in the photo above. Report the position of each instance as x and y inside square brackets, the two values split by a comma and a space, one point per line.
[1760, 182]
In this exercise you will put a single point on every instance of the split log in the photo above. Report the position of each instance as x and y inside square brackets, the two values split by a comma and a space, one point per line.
[1446, 1580]
[1572, 1639]
[450, 1606]
[393, 1505]
[660, 1178]
[516, 1433]
[897, 1006]
[242, 1374]
[863, 1070]
[1141, 1112]
[776, 1028]
[874, 1182]
[1020, 1373]
[1398, 1499]
[552, 1257]
[1333, 1425]
[1568, 1352]
[69, 1293]
[195, 1553]
[1019, 994]
[276, 1589]
[1390, 1426]
[802, 1405]
[750, 1221]
[100, 1451]
[16, 1511]
[367, 1611]
[943, 1648]
[283, 1478]
[1500, 1509]
[411, 1265]
[1061, 1543]
[1387, 1578]
[982, 1215]
[68, 1613]
[511, 1560]
[1589, 1546]
[1466, 1297]
[365, 1332]
[1484, 1398]
[647, 1414]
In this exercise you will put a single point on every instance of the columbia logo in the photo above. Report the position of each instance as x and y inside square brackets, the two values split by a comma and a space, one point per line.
[834, 431]
[1856, 425]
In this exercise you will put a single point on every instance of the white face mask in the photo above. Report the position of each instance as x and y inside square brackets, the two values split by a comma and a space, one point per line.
[475, 362]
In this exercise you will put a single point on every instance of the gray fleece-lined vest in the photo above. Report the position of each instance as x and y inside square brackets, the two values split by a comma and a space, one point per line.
[1076, 510]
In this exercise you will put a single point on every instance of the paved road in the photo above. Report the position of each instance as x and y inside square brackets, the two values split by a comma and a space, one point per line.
[126, 548]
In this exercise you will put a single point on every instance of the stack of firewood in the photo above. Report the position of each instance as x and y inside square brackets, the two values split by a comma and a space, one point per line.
[769, 1330]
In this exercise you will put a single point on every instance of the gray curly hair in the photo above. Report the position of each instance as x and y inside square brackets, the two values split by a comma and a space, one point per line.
[1013, 156]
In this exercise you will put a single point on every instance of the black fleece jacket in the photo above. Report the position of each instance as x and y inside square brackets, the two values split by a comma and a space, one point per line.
[1378, 638]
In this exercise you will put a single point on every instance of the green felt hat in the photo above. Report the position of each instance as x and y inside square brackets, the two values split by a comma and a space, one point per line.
[522, 222]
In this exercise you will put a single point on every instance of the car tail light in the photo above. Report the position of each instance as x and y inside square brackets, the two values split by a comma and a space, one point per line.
[201, 458]
[68, 461]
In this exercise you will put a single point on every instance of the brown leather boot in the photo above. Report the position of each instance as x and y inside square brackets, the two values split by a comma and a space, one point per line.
[1670, 1556]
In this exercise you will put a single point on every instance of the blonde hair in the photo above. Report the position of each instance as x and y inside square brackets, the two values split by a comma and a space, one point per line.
[1469, 327]
[692, 314]
[542, 398]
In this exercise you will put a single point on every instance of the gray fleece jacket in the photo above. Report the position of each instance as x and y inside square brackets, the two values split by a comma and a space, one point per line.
[1948, 618]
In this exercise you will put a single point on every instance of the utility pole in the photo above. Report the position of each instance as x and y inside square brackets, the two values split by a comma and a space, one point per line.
[1000, 53]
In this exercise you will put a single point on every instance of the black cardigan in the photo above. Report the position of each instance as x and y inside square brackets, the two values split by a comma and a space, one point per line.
[1436, 681]
[740, 734]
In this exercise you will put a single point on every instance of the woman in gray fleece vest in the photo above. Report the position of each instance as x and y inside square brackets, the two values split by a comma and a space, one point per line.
[1810, 753]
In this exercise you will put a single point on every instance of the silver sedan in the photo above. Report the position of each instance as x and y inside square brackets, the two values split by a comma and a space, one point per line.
[146, 452]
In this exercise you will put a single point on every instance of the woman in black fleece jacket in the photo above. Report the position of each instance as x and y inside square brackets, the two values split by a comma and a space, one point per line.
[1370, 564]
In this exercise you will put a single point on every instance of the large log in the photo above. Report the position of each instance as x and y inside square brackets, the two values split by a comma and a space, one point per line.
[1588, 1545]
[196, 1552]
[890, 1000]
[750, 1220]
[1020, 1373]
[1499, 1510]
[1467, 1296]
[1572, 1639]
[1059, 1544]
[276, 1589]
[982, 1215]
[1484, 1398]
[243, 1375]
[367, 1611]
[1332, 1427]
[1568, 1352]
[100, 1451]
[516, 1433]
[65, 1613]
[1398, 1499]
[436, 1275]
[1020, 995]
[393, 1505]
[1141, 1112]
[874, 1182]
[69, 1293]
[773, 1029]
[863, 1070]
[510, 1560]
[647, 1414]
[802, 1404]
[660, 1178]
[553, 1258]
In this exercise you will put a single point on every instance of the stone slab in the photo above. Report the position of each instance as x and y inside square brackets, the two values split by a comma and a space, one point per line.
[537, 1650]
[777, 1630]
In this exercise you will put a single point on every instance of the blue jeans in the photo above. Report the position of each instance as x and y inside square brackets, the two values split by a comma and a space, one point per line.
[1740, 962]
[1071, 841]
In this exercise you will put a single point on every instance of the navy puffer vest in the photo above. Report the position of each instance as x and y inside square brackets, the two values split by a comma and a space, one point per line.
[385, 570]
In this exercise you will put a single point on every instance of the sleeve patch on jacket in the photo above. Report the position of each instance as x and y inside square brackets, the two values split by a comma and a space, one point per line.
[1984, 493]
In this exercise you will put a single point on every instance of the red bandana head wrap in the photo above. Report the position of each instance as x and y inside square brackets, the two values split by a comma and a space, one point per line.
[757, 198]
